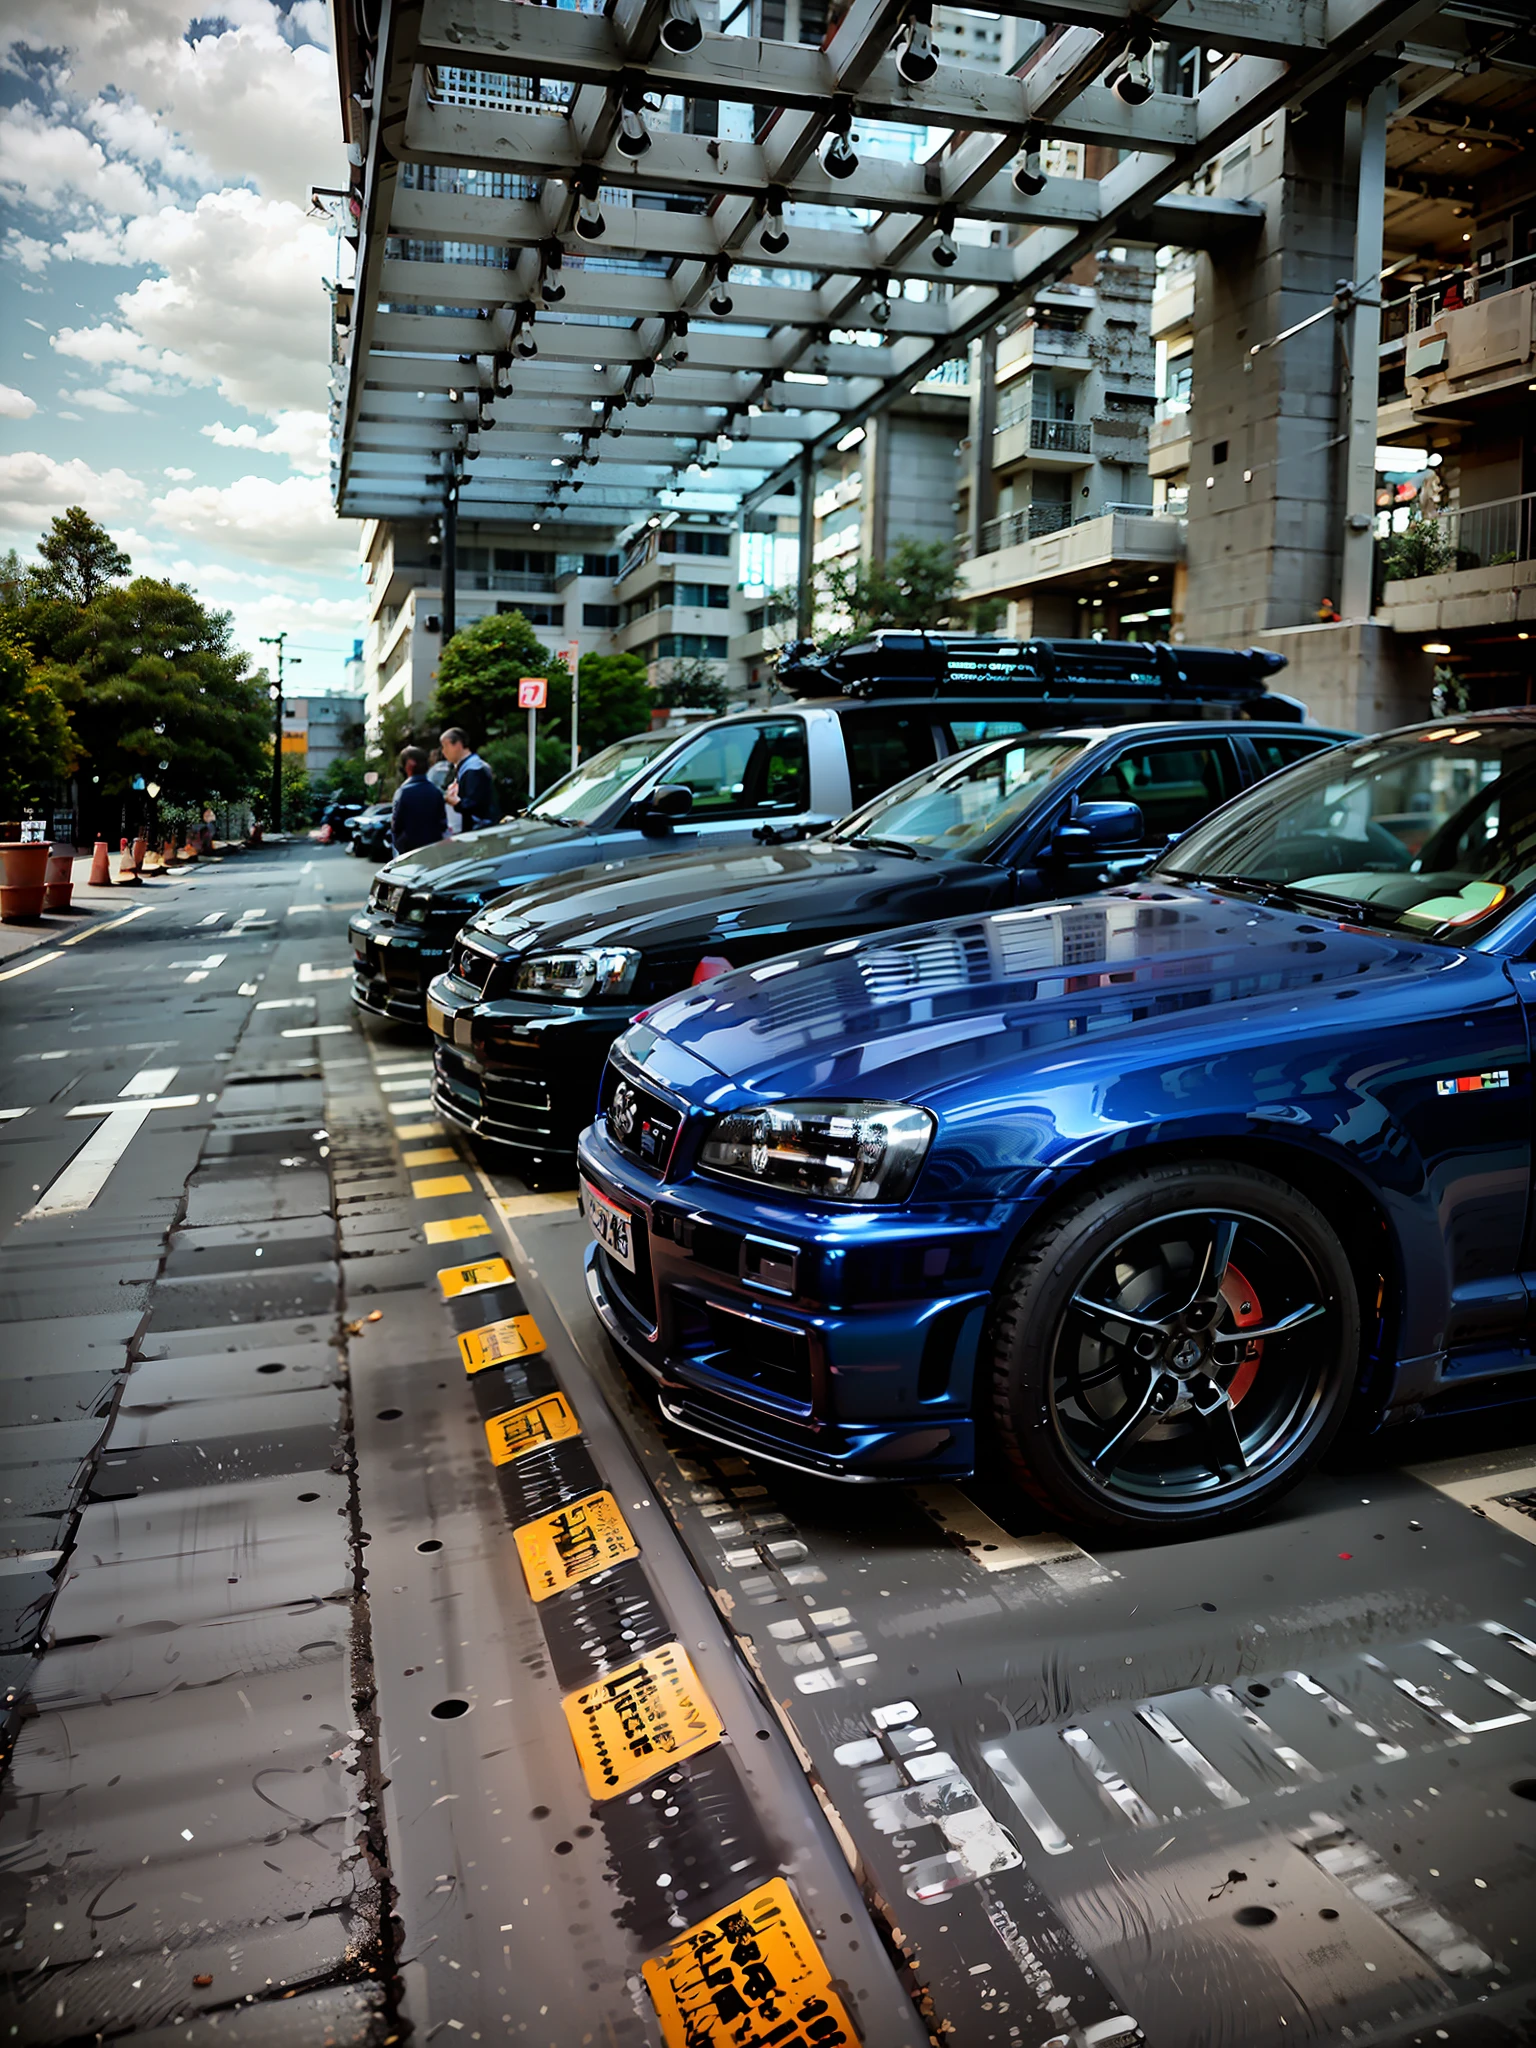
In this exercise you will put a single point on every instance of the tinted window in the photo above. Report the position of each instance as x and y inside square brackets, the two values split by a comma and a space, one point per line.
[1175, 786]
[971, 732]
[969, 805]
[741, 770]
[1277, 752]
[884, 747]
[591, 787]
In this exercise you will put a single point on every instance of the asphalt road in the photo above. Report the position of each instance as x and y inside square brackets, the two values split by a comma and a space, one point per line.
[293, 1756]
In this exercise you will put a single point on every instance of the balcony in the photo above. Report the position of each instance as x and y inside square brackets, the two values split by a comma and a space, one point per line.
[1033, 522]
[1478, 568]
[1059, 348]
[1473, 351]
[1017, 560]
[1168, 442]
[1050, 443]
[1173, 303]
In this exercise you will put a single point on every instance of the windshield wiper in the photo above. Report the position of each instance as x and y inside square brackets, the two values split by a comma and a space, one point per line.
[551, 818]
[884, 845]
[1289, 896]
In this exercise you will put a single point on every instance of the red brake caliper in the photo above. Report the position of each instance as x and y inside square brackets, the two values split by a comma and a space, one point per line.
[1245, 1309]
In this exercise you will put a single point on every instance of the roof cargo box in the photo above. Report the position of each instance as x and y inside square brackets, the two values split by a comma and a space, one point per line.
[1147, 679]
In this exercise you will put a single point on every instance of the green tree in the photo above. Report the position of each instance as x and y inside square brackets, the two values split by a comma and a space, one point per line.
[343, 780]
[692, 684]
[917, 586]
[157, 691]
[79, 559]
[616, 701]
[301, 799]
[37, 745]
[477, 677]
[1421, 549]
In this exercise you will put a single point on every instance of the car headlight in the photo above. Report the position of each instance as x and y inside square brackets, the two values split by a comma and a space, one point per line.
[847, 1151]
[416, 910]
[597, 971]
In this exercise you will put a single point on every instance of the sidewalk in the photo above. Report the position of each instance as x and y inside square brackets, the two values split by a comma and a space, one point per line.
[90, 907]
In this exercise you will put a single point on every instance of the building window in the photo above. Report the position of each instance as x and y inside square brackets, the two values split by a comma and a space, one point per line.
[599, 565]
[709, 596]
[683, 540]
[537, 614]
[603, 617]
[695, 646]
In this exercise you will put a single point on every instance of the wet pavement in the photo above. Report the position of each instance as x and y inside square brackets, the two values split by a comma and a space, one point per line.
[298, 1755]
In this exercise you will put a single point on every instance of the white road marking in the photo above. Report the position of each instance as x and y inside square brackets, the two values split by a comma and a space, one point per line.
[318, 1031]
[9, 1116]
[308, 973]
[287, 1003]
[1484, 1484]
[247, 988]
[26, 966]
[413, 1108]
[86, 1174]
[410, 1081]
[212, 917]
[399, 1067]
[298, 909]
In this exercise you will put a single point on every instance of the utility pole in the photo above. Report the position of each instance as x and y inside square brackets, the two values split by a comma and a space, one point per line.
[450, 557]
[276, 640]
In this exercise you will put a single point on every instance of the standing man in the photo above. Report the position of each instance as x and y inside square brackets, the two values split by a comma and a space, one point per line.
[418, 816]
[472, 793]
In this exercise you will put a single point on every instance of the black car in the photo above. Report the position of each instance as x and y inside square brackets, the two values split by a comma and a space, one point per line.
[542, 983]
[340, 817]
[895, 704]
[370, 832]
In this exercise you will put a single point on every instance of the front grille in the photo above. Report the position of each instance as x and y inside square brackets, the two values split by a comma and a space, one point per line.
[768, 1355]
[638, 1120]
[512, 1097]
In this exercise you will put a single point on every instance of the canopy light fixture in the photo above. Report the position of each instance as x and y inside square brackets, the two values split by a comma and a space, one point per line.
[1134, 84]
[916, 58]
[837, 156]
[720, 300]
[1028, 177]
[641, 389]
[680, 32]
[944, 249]
[552, 258]
[590, 225]
[775, 237]
[634, 138]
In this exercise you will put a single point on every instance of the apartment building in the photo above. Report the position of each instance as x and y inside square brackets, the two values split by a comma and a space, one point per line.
[676, 597]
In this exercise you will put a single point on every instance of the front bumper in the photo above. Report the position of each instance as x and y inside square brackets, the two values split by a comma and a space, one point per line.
[391, 965]
[520, 1074]
[842, 1344]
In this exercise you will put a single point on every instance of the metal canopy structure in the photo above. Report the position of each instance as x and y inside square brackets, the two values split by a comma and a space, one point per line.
[565, 313]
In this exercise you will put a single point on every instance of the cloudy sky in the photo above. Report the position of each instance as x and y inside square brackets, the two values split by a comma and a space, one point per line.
[163, 360]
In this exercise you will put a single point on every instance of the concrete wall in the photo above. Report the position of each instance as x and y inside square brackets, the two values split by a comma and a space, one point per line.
[1355, 674]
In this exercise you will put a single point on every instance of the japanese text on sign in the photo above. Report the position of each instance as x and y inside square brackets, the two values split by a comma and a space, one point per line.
[532, 693]
[640, 1720]
[561, 1549]
[497, 1343]
[749, 1976]
[530, 1427]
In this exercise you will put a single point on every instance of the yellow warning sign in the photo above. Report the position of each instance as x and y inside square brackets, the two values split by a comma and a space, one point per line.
[568, 1546]
[639, 1721]
[443, 1184]
[530, 1427]
[451, 1227]
[430, 1155]
[499, 1343]
[470, 1279]
[750, 1971]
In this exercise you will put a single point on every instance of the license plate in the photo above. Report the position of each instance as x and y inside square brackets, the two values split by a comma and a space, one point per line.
[381, 938]
[610, 1226]
[437, 1019]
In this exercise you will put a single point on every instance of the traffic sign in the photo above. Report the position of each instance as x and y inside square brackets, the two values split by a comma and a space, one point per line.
[532, 693]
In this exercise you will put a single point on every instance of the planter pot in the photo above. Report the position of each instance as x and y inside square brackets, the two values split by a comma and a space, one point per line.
[140, 848]
[25, 868]
[59, 883]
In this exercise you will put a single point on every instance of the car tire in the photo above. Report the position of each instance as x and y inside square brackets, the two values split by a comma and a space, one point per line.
[1122, 1406]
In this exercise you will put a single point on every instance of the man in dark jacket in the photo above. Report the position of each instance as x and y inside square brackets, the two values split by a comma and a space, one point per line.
[472, 793]
[419, 816]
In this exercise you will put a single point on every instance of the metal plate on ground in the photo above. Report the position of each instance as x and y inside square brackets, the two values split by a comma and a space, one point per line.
[498, 1343]
[752, 1972]
[529, 1428]
[573, 1543]
[640, 1721]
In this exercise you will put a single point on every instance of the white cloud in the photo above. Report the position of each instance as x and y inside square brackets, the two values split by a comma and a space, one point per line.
[302, 437]
[33, 487]
[30, 253]
[239, 302]
[54, 167]
[14, 404]
[289, 522]
[102, 401]
[181, 476]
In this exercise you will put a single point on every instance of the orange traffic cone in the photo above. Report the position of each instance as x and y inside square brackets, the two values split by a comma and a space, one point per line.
[101, 868]
[127, 876]
[152, 864]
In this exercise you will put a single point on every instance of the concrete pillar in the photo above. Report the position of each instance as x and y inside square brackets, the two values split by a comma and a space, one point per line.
[1357, 541]
[1265, 522]
[875, 495]
[805, 580]
[983, 420]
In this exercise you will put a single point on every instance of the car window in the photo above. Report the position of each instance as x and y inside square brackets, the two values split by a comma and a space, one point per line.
[593, 785]
[1175, 785]
[968, 805]
[1279, 750]
[1434, 830]
[746, 770]
[972, 732]
[885, 747]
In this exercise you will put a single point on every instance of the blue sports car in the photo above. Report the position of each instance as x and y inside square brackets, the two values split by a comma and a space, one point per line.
[1139, 1195]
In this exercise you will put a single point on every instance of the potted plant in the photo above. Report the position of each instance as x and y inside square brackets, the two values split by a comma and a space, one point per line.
[24, 864]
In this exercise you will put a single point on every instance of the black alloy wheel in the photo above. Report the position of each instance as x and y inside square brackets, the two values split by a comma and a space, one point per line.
[1175, 1350]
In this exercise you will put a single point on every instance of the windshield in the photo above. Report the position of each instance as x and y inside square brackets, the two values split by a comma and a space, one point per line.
[1433, 832]
[969, 804]
[588, 790]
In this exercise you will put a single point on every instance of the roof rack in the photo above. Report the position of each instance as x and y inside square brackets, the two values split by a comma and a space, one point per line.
[890, 663]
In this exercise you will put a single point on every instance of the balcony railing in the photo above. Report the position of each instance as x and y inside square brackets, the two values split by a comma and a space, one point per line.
[1057, 437]
[1034, 522]
[1466, 537]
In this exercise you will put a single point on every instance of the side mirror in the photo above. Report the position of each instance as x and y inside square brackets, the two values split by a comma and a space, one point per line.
[668, 800]
[1089, 829]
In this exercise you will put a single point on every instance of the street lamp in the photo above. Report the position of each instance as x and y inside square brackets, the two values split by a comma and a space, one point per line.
[276, 693]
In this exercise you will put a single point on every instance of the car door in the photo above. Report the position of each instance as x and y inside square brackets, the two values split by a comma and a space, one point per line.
[1174, 782]
[744, 775]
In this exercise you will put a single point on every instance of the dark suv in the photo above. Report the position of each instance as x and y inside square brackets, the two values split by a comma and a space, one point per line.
[907, 700]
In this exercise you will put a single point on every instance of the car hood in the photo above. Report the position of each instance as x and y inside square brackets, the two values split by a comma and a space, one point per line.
[476, 860]
[953, 1011]
[705, 897]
